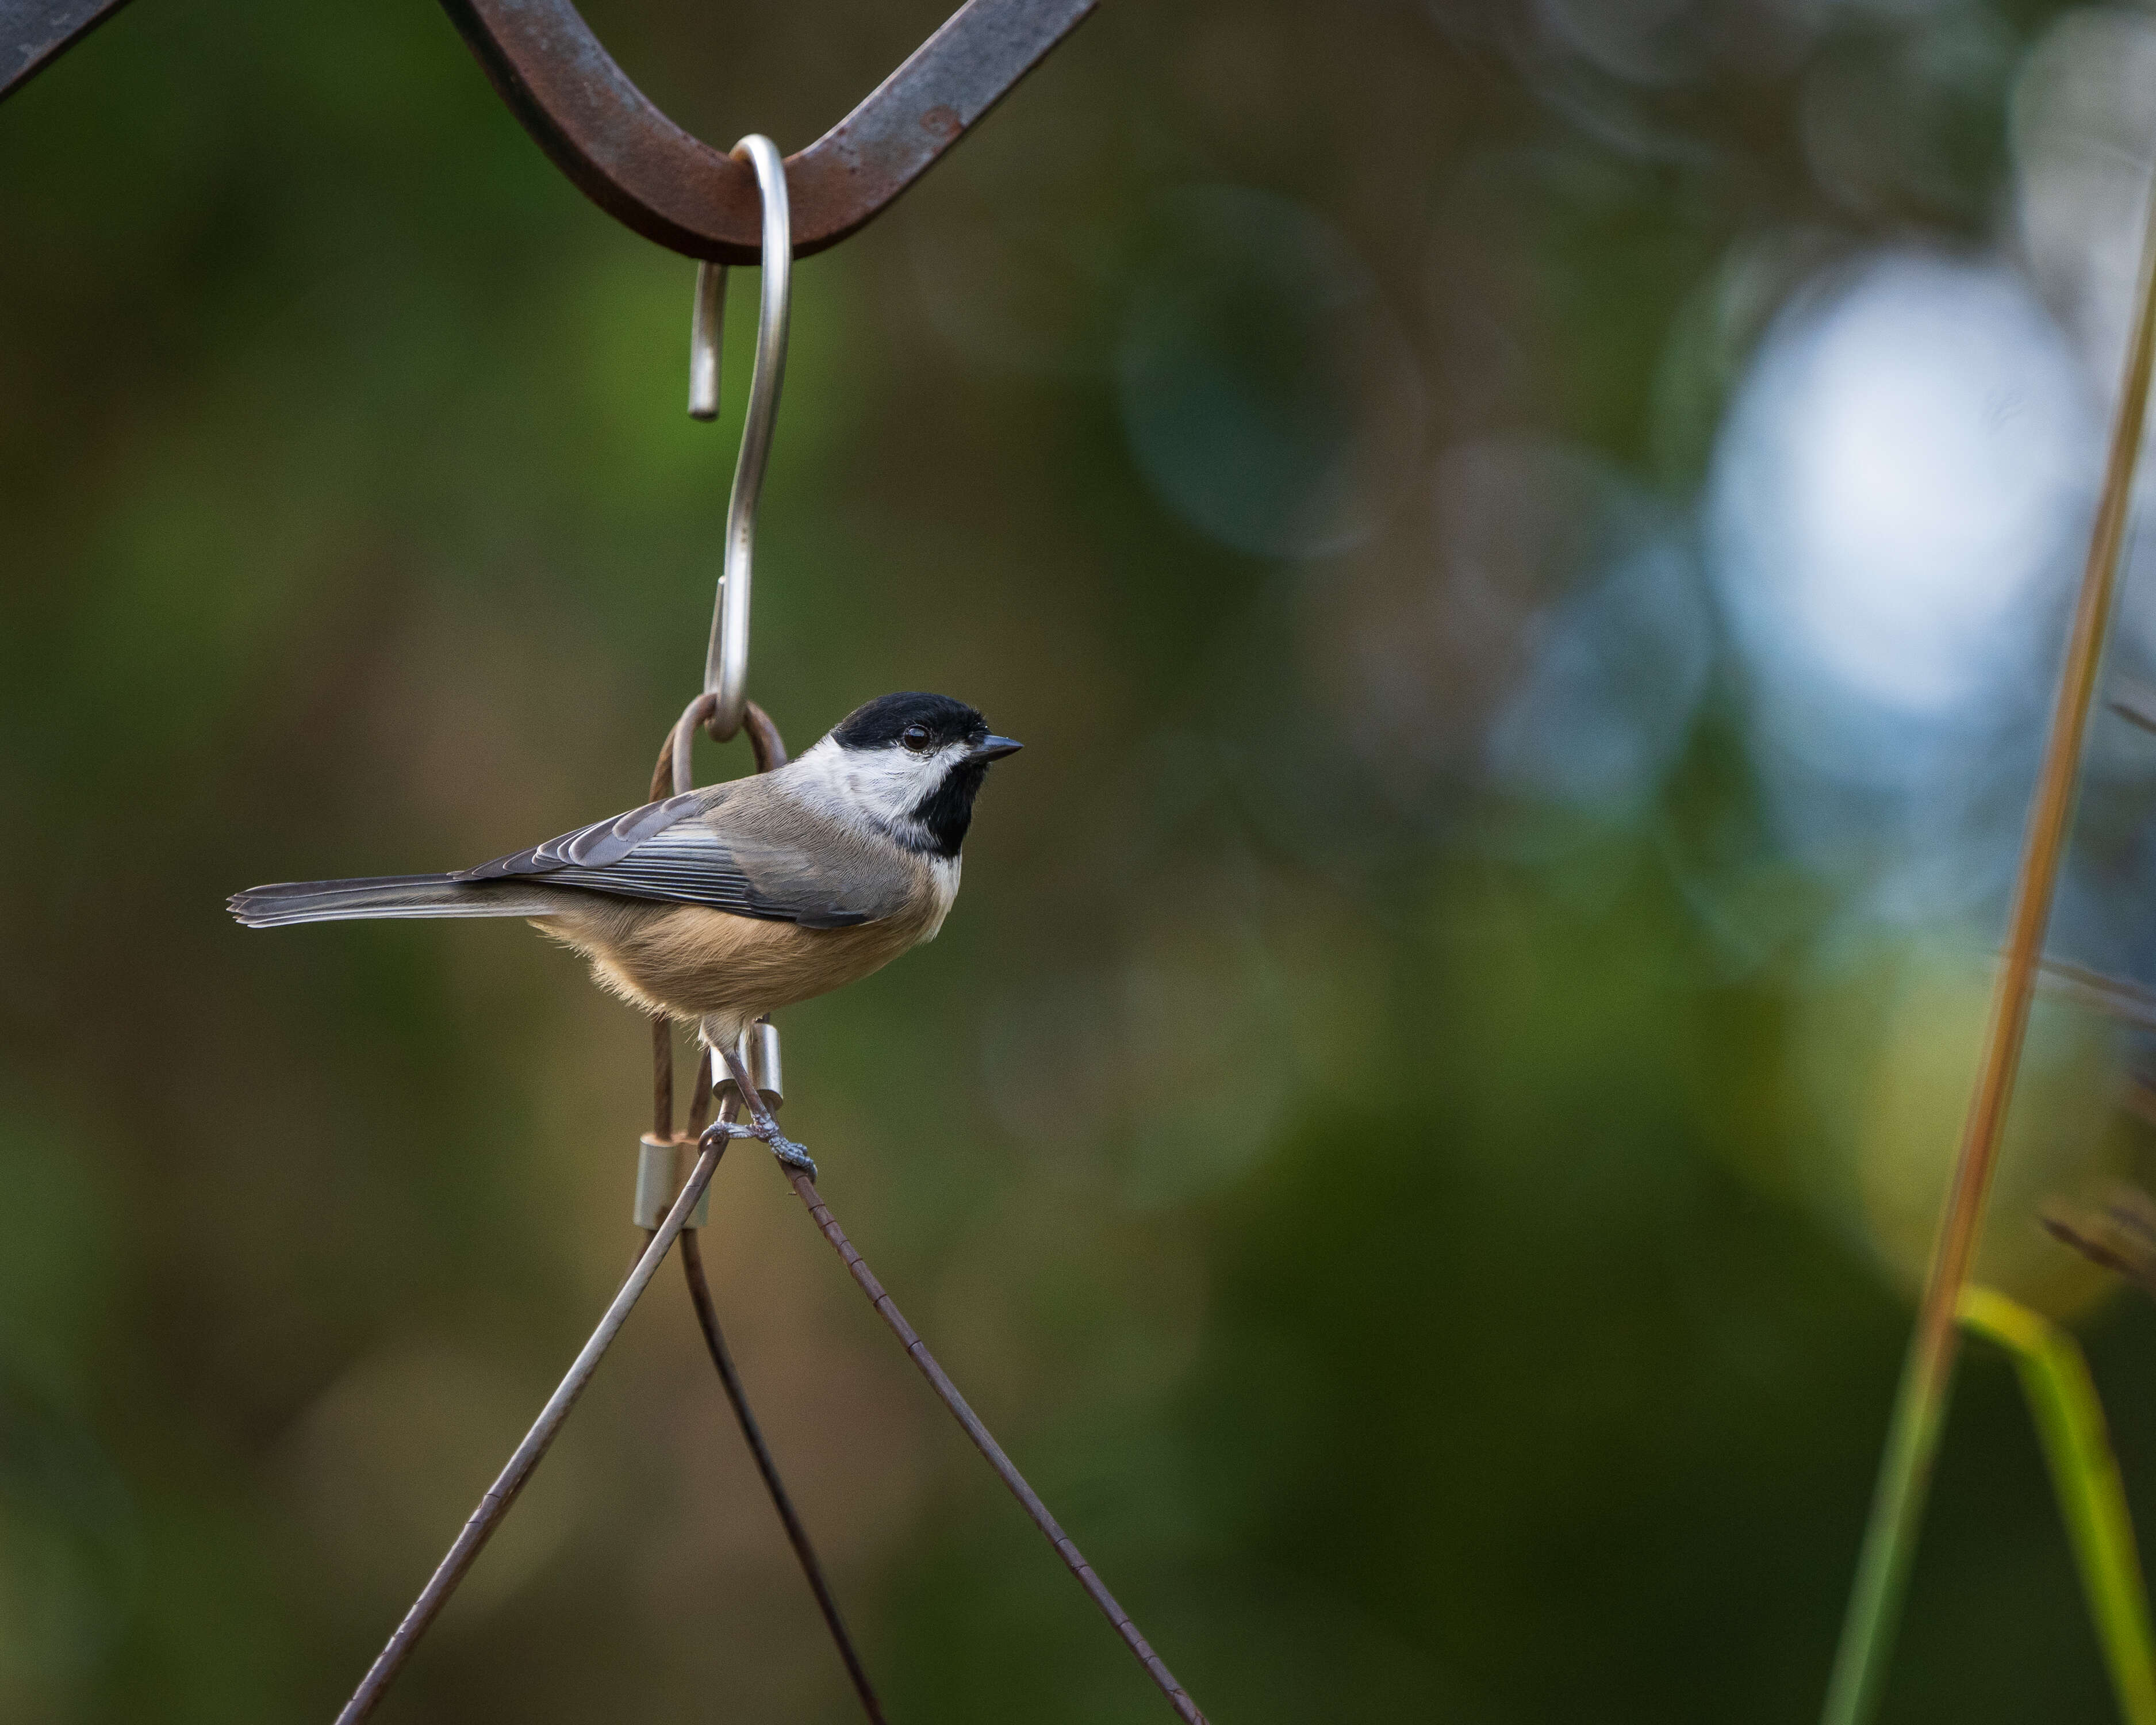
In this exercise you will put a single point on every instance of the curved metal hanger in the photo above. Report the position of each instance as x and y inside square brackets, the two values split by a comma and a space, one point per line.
[638, 167]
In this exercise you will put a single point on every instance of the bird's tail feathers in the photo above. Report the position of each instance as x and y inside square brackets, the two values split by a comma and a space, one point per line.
[388, 895]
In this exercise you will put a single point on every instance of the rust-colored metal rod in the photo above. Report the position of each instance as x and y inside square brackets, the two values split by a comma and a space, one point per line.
[662, 1076]
[649, 174]
[796, 1534]
[1920, 1404]
[503, 1492]
[33, 33]
[984, 1441]
[644, 171]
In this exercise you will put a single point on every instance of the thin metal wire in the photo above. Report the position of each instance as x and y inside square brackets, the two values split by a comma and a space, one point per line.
[726, 661]
[503, 1492]
[984, 1441]
[796, 1534]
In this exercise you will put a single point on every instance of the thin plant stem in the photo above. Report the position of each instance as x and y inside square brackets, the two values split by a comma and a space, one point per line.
[2062, 1399]
[1898, 1505]
[2115, 997]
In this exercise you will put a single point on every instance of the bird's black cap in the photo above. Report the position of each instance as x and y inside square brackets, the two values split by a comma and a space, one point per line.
[886, 719]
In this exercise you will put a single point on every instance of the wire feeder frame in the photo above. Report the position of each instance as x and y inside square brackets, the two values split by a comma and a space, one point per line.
[722, 709]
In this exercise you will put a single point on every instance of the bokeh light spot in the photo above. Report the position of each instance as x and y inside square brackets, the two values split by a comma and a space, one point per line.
[1905, 461]
[1269, 396]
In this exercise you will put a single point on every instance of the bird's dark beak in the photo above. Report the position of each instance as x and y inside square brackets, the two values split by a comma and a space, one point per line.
[993, 748]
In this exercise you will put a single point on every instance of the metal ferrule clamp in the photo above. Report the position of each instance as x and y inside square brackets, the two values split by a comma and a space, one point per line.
[659, 1177]
[757, 1051]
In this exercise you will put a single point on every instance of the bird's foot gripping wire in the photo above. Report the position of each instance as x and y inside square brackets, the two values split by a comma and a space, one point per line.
[791, 1154]
[762, 1124]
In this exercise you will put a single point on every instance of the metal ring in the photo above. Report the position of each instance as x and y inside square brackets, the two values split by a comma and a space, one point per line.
[726, 664]
[672, 777]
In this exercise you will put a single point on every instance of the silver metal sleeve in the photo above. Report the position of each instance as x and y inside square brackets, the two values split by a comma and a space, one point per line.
[757, 1051]
[659, 1182]
[760, 1057]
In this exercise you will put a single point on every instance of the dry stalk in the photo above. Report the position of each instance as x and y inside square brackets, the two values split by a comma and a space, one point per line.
[1920, 1404]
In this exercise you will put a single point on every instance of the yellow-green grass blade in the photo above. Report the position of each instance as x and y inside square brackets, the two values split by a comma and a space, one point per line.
[2062, 1398]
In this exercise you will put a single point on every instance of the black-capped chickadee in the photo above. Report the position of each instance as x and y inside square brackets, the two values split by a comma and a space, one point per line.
[729, 902]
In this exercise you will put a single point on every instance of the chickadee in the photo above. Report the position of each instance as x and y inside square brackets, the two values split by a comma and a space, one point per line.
[726, 903]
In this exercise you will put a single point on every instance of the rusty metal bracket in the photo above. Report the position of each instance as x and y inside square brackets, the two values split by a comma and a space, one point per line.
[640, 167]
[33, 33]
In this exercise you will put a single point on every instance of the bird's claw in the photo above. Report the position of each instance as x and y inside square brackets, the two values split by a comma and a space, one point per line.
[789, 1153]
[793, 1155]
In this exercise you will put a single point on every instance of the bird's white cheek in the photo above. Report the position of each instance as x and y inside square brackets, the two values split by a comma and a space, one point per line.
[887, 788]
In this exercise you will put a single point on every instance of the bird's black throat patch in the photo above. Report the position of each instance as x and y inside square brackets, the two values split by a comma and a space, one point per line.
[946, 812]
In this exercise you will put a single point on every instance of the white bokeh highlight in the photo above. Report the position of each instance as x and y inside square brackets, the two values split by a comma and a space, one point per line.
[1901, 469]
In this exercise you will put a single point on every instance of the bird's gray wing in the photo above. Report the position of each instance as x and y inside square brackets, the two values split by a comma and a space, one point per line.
[753, 855]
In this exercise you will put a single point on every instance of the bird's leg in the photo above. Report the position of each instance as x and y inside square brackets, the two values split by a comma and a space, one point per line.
[794, 1155]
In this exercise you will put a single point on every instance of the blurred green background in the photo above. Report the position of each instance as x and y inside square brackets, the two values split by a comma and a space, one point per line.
[1526, 541]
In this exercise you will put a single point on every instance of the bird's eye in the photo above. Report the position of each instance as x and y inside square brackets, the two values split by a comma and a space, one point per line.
[916, 739]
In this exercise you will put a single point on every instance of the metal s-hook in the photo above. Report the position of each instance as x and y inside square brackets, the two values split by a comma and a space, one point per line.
[725, 662]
